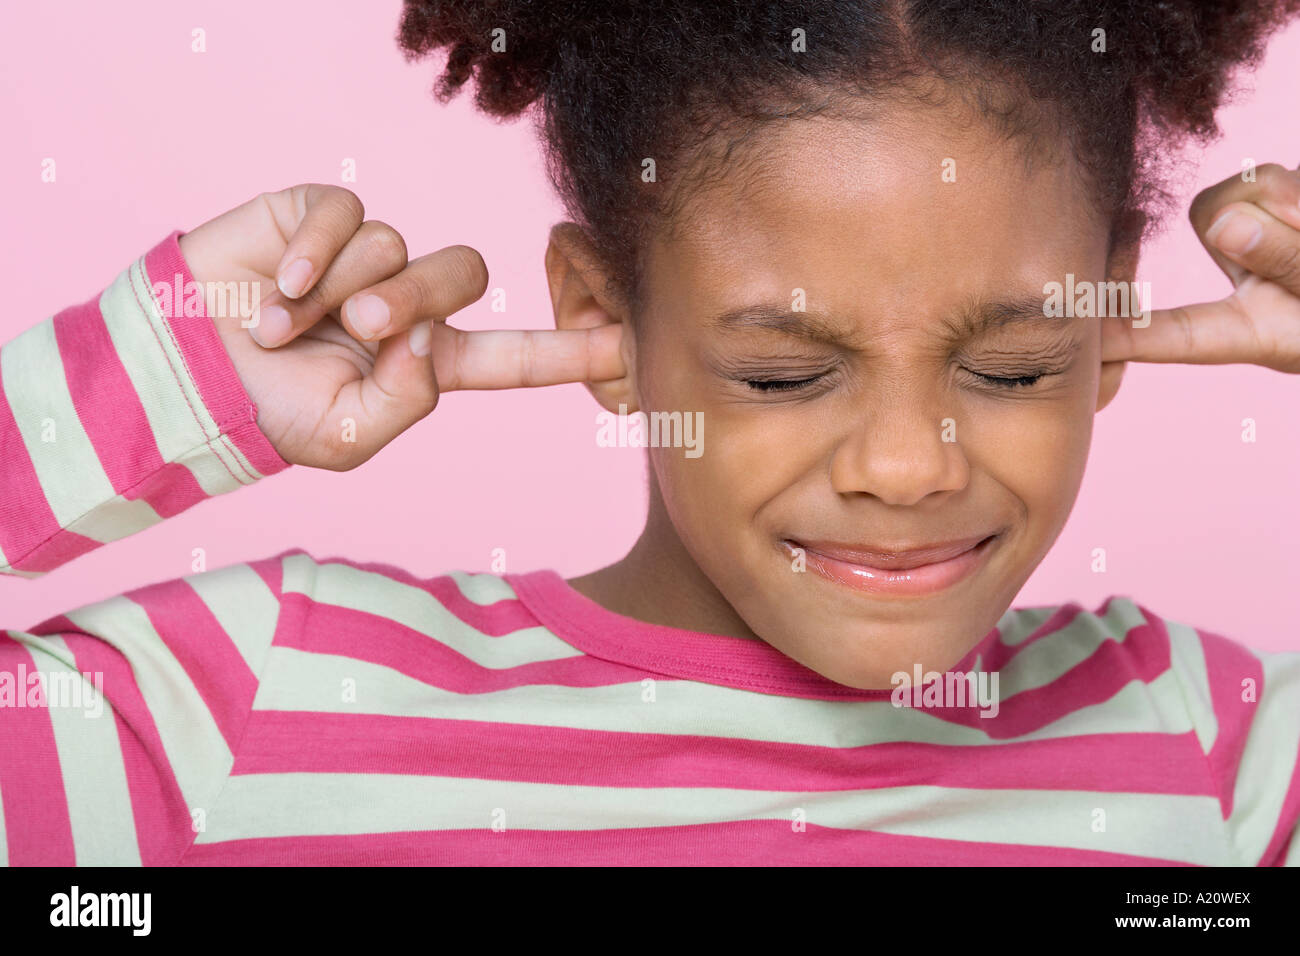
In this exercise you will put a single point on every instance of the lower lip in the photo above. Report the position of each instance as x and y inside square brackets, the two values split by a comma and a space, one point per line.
[926, 579]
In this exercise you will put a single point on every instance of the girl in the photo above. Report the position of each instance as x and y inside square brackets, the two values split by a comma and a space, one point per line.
[826, 231]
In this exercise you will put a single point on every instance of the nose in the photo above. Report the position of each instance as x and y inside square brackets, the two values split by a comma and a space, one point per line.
[901, 452]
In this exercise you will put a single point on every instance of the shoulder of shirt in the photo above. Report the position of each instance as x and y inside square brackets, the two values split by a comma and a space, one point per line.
[1148, 656]
[321, 576]
[1066, 628]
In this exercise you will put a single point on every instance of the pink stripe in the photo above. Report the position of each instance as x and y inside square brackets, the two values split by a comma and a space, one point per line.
[310, 742]
[26, 519]
[56, 551]
[162, 819]
[271, 571]
[107, 406]
[740, 843]
[37, 826]
[1227, 664]
[329, 629]
[204, 650]
[999, 655]
[500, 617]
[656, 649]
[169, 490]
[1143, 656]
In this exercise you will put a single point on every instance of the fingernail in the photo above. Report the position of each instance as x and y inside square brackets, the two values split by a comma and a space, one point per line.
[368, 314]
[1235, 232]
[421, 339]
[273, 327]
[294, 277]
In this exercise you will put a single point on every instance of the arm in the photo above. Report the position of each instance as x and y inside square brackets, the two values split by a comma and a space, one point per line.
[1245, 705]
[116, 414]
[119, 720]
[1245, 708]
[121, 746]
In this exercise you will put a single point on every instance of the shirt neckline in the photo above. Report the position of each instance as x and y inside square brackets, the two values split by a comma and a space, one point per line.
[738, 662]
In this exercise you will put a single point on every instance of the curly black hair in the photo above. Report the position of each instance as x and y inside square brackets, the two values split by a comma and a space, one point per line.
[617, 83]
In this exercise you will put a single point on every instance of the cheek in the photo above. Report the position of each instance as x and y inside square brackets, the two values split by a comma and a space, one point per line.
[1036, 450]
[748, 454]
[747, 460]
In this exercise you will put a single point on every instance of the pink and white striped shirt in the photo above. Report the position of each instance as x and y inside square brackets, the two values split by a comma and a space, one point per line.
[299, 710]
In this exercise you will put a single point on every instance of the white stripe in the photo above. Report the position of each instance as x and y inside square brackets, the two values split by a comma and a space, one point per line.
[306, 804]
[1017, 624]
[482, 589]
[344, 586]
[193, 744]
[242, 467]
[295, 680]
[90, 757]
[243, 606]
[1268, 761]
[69, 471]
[1187, 658]
[116, 518]
[215, 472]
[1056, 654]
[181, 424]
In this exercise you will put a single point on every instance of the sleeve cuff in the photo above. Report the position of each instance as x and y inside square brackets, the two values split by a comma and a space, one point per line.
[205, 357]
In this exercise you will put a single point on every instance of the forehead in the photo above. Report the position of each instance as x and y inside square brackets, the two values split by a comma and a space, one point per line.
[910, 208]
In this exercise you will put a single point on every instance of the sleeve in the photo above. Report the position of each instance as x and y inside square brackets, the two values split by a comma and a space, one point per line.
[118, 413]
[119, 721]
[1267, 790]
[1246, 707]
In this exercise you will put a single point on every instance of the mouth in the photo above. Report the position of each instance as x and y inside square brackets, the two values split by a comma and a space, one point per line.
[910, 570]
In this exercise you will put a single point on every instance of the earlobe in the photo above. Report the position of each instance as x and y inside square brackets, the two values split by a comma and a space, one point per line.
[581, 299]
[1121, 266]
[1112, 373]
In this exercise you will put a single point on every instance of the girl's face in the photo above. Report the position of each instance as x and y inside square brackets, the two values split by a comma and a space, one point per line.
[865, 338]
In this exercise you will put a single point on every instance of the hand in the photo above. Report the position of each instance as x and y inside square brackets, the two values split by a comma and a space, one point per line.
[309, 364]
[1252, 231]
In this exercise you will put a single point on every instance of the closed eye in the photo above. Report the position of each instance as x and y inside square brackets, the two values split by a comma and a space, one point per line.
[779, 384]
[1019, 381]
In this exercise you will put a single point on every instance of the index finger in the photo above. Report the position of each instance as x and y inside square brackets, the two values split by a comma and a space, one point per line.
[327, 217]
[524, 359]
[1206, 333]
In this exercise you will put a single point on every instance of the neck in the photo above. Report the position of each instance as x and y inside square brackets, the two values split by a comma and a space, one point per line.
[658, 582]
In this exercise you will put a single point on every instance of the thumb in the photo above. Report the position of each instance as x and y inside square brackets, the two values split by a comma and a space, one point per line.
[401, 388]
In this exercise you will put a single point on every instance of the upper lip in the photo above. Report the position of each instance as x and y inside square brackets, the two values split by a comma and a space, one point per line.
[892, 558]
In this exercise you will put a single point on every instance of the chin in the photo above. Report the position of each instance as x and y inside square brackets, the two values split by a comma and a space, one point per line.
[866, 656]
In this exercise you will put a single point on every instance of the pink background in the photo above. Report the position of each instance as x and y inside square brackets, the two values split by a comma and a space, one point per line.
[149, 137]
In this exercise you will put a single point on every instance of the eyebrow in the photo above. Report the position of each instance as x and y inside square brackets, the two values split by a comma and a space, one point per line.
[969, 320]
[982, 315]
[810, 326]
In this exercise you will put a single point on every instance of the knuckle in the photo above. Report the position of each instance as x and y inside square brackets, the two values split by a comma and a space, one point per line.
[348, 202]
[316, 299]
[385, 244]
[467, 270]
[428, 401]
[1285, 261]
[1270, 173]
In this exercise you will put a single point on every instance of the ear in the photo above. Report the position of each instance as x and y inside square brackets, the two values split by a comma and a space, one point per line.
[584, 297]
[1120, 267]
